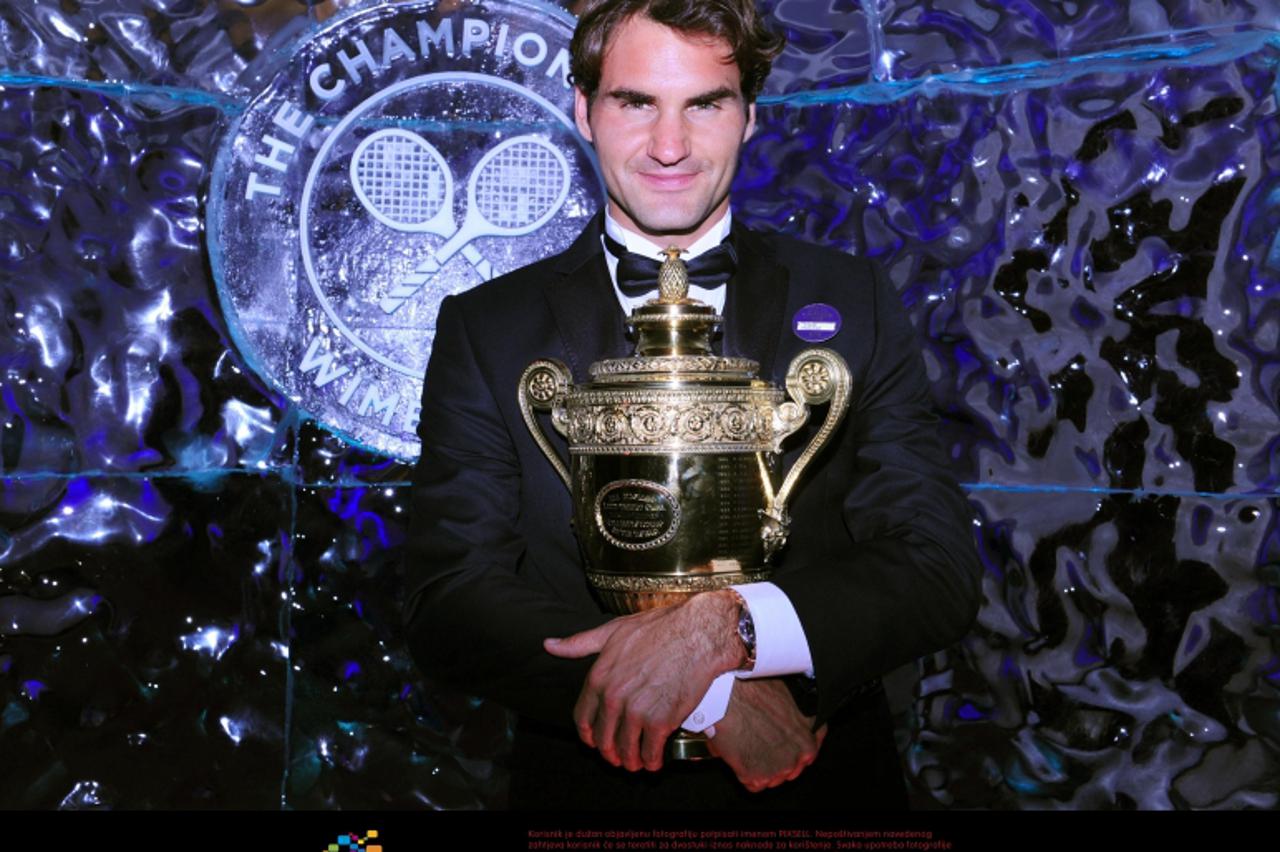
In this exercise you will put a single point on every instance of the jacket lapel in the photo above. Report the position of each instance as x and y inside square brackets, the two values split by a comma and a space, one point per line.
[584, 305]
[755, 301]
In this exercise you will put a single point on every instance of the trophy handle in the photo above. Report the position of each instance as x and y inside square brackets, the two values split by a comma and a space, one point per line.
[815, 376]
[544, 386]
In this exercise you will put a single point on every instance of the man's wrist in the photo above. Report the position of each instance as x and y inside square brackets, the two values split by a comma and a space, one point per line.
[723, 611]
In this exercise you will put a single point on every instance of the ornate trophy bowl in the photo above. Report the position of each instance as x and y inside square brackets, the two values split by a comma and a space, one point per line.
[673, 455]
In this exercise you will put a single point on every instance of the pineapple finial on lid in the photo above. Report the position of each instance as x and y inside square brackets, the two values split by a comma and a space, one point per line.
[673, 278]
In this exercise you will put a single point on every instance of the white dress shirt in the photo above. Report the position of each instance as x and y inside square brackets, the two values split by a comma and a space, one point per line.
[781, 646]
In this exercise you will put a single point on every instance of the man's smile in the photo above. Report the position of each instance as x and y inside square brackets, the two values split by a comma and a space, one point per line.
[669, 181]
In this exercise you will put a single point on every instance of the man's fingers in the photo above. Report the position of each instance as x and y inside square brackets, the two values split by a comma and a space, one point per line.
[628, 742]
[605, 729]
[653, 748]
[654, 735]
[584, 716]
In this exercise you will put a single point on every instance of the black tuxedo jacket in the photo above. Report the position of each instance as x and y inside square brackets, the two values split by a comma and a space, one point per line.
[880, 564]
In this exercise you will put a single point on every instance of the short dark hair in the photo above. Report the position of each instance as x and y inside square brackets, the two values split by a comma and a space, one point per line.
[752, 45]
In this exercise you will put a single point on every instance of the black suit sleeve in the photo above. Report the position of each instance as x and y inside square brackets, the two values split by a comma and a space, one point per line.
[473, 621]
[909, 582]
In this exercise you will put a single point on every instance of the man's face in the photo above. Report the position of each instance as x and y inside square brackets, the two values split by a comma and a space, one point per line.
[667, 123]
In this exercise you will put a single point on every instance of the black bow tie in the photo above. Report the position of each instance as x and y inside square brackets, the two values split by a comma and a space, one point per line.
[638, 275]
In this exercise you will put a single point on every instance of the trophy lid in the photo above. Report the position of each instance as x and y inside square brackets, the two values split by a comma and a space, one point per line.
[673, 337]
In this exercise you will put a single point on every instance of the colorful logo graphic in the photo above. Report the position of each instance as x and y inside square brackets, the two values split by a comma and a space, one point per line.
[398, 155]
[354, 843]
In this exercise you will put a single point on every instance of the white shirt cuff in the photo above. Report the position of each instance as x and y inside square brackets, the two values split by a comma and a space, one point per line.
[781, 649]
[781, 646]
[713, 706]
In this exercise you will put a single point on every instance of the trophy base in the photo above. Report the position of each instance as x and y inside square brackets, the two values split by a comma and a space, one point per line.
[684, 745]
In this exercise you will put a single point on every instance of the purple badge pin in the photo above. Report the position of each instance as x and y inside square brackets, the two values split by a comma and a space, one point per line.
[816, 323]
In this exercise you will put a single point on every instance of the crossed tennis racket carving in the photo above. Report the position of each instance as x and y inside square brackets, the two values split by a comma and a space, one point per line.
[403, 181]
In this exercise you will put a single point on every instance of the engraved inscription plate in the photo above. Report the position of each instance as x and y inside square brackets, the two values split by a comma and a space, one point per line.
[636, 514]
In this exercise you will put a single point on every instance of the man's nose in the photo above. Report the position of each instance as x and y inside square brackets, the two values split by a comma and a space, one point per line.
[669, 140]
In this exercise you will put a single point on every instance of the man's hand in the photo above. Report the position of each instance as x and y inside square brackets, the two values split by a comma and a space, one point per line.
[653, 669]
[763, 737]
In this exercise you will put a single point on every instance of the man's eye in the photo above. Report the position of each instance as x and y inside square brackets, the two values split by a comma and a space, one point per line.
[706, 107]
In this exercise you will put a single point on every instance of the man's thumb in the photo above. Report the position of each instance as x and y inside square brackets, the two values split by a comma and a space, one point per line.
[578, 645]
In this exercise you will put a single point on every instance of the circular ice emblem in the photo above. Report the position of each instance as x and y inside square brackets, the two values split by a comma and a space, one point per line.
[402, 154]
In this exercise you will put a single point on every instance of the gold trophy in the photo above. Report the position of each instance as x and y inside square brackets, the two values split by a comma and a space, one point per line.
[673, 456]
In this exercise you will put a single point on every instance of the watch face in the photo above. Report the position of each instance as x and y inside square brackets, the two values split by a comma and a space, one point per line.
[747, 630]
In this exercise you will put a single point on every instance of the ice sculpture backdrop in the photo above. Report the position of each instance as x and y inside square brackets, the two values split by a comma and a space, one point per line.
[1079, 203]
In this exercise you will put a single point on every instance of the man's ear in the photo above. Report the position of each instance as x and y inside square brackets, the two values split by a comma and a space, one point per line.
[751, 122]
[581, 106]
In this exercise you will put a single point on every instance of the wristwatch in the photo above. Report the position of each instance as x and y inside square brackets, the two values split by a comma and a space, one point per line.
[746, 630]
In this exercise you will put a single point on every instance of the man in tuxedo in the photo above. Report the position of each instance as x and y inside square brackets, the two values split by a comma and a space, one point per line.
[880, 567]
